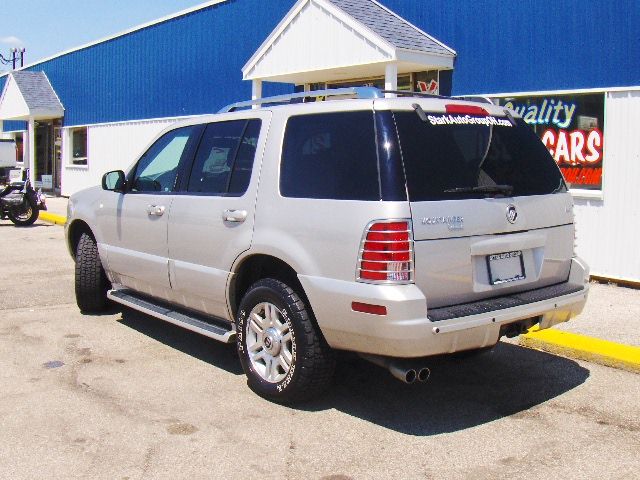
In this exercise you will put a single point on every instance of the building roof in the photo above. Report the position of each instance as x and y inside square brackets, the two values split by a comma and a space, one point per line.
[393, 28]
[36, 90]
[123, 33]
[29, 94]
[334, 40]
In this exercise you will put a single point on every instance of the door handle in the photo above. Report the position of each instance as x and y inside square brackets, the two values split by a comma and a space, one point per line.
[235, 216]
[155, 210]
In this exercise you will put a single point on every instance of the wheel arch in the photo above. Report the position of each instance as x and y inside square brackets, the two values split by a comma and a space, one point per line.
[75, 230]
[256, 267]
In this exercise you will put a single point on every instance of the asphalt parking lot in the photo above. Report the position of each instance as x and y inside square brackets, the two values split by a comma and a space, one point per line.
[125, 396]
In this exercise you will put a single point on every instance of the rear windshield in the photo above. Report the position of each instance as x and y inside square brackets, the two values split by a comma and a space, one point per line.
[468, 159]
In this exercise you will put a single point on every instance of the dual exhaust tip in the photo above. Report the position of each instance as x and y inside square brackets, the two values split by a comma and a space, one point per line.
[405, 373]
[410, 375]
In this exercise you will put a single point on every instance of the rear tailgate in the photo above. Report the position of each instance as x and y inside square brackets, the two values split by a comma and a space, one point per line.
[491, 213]
[454, 240]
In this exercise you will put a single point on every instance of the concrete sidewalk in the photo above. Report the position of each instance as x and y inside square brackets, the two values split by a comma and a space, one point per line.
[611, 317]
[606, 332]
[57, 205]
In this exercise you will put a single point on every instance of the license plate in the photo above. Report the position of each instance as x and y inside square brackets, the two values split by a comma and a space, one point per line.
[505, 267]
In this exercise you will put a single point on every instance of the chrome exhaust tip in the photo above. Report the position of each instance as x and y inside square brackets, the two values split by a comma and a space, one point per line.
[423, 374]
[406, 375]
[403, 373]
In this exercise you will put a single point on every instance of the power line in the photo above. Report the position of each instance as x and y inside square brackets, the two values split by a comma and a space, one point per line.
[16, 54]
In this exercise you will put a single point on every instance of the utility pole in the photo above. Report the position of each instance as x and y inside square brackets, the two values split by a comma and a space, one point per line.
[17, 55]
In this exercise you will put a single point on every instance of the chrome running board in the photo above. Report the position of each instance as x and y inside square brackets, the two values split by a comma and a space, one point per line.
[204, 325]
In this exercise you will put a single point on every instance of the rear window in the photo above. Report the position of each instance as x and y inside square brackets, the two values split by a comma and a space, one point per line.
[330, 155]
[455, 161]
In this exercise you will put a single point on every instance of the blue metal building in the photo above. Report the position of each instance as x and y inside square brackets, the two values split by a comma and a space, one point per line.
[191, 64]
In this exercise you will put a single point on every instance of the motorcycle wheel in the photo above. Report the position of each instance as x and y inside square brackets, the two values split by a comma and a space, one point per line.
[24, 217]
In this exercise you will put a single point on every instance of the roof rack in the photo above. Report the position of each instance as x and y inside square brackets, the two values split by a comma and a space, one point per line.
[354, 92]
[357, 92]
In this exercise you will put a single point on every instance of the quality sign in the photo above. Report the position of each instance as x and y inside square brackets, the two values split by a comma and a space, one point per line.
[571, 127]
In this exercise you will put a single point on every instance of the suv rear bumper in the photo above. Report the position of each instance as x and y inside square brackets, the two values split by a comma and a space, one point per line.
[407, 331]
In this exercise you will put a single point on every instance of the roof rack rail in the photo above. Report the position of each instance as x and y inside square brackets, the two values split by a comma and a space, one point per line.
[358, 92]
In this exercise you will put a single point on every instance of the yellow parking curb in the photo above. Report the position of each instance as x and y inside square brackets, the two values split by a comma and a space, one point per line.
[52, 218]
[581, 347]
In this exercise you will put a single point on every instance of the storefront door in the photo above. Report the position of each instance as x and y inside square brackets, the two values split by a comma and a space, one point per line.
[43, 164]
[48, 147]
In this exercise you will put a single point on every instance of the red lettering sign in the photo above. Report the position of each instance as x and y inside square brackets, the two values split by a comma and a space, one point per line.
[582, 176]
[576, 147]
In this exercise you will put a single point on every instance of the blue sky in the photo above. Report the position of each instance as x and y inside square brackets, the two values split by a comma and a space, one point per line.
[46, 27]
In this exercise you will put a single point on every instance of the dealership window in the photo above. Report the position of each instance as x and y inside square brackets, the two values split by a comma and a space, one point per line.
[78, 141]
[424, 82]
[571, 127]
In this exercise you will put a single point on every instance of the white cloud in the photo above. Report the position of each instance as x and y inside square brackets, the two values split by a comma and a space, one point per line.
[12, 41]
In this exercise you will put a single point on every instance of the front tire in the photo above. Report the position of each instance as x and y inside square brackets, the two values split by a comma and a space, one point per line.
[24, 217]
[91, 281]
[282, 352]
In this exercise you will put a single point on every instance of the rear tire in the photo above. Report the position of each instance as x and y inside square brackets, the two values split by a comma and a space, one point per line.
[25, 217]
[282, 351]
[91, 281]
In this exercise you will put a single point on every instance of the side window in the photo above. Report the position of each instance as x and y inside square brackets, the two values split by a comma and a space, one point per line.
[225, 157]
[158, 168]
[244, 160]
[330, 155]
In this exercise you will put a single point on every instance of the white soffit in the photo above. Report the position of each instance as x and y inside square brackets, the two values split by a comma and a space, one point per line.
[318, 41]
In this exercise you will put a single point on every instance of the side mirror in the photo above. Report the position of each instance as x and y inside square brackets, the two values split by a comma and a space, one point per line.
[114, 181]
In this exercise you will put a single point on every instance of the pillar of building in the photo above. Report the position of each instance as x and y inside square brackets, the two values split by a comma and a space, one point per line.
[256, 91]
[30, 162]
[391, 79]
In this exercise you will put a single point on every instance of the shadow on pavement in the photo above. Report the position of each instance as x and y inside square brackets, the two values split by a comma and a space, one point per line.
[460, 393]
[8, 223]
[219, 355]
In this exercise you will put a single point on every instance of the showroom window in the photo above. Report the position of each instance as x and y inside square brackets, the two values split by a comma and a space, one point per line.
[78, 141]
[571, 126]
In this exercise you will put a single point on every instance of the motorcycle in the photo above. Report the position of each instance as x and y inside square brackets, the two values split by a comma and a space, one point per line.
[20, 203]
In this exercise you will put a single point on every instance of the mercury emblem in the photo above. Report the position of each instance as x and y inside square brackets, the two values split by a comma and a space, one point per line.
[512, 214]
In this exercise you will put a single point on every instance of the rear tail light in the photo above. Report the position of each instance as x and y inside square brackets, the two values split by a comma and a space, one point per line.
[461, 109]
[386, 253]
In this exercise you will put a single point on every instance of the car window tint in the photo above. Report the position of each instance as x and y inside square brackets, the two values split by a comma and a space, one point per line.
[332, 156]
[244, 160]
[447, 161]
[214, 160]
[158, 168]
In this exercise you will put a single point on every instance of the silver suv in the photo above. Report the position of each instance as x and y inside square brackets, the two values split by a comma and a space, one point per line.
[397, 228]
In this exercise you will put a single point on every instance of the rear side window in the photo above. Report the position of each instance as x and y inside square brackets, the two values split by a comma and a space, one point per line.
[456, 161]
[330, 155]
[225, 157]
